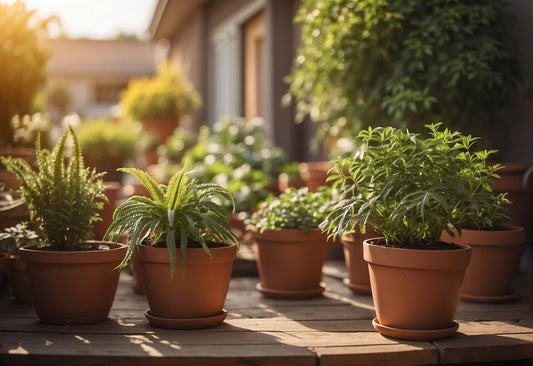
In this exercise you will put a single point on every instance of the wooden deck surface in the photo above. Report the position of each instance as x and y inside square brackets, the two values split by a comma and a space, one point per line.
[334, 329]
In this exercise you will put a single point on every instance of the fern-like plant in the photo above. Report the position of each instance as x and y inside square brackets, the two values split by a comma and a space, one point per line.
[410, 188]
[178, 213]
[62, 197]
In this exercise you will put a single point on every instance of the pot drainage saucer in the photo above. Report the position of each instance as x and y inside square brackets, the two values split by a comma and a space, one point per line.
[415, 334]
[357, 288]
[289, 294]
[187, 323]
[489, 299]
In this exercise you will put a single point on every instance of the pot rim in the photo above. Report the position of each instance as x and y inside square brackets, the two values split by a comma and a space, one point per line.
[312, 234]
[417, 258]
[117, 251]
[194, 255]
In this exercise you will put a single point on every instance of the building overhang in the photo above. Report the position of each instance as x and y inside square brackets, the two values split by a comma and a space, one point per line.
[169, 15]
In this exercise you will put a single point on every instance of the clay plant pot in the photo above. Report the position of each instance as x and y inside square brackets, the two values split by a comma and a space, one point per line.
[514, 180]
[112, 191]
[162, 127]
[193, 301]
[73, 287]
[20, 281]
[314, 174]
[138, 281]
[415, 292]
[494, 264]
[4, 270]
[358, 279]
[290, 262]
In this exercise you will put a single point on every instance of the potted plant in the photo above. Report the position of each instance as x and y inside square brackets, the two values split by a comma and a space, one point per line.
[11, 240]
[107, 145]
[159, 102]
[238, 156]
[290, 247]
[408, 189]
[72, 278]
[496, 244]
[183, 214]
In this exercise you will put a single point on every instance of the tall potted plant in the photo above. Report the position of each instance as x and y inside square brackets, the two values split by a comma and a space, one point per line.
[72, 278]
[183, 214]
[408, 189]
[496, 244]
[290, 247]
[159, 102]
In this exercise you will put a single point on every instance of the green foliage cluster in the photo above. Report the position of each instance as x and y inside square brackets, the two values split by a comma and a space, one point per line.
[22, 64]
[17, 236]
[166, 95]
[175, 214]
[292, 170]
[171, 154]
[239, 156]
[103, 140]
[293, 209]
[368, 62]
[61, 197]
[409, 188]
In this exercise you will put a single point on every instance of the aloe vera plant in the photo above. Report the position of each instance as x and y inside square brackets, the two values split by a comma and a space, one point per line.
[177, 213]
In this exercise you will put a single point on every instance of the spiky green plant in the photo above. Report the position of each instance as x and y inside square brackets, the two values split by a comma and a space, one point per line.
[179, 212]
[62, 197]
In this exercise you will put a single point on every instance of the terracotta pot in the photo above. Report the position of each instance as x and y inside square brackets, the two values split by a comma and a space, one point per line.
[415, 292]
[284, 182]
[494, 264]
[195, 300]
[315, 173]
[150, 157]
[358, 279]
[112, 191]
[20, 281]
[138, 281]
[73, 287]
[163, 127]
[290, 262]
[518, 185]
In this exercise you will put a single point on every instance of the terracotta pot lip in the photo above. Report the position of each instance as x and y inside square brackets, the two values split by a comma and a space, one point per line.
[31, 253]
[194, 255]
[417, 258]
[512, 167]
[511, 235]
[284, 234]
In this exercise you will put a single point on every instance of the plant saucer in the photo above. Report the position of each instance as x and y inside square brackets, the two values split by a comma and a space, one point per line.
[415, 334]
[187, 323]
[489, 299]
[291, 294]
[356, 288]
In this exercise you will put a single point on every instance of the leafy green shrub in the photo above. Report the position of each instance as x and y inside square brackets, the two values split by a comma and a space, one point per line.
[409, 188]
[171, 154]
[364, 63]
[17, 236]
[176, 214]
[23, 69]
[294, 209]
[104, 140]
[238, 156]
[62, 197]
[167, 95]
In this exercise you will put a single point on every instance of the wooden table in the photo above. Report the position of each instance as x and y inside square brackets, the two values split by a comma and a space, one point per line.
[334, 329]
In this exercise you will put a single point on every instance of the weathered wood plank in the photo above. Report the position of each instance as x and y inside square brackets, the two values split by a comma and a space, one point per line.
[463, 348]
[405, 353]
